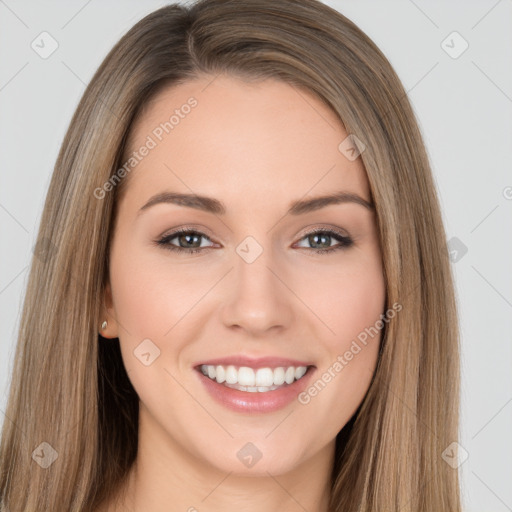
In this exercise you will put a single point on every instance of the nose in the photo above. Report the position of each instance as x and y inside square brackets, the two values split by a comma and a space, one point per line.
[259, 299]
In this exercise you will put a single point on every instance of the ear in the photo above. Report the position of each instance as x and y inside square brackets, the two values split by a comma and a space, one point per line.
[108, 314]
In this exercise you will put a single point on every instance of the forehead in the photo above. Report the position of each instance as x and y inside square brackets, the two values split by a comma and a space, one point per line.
[231, 139]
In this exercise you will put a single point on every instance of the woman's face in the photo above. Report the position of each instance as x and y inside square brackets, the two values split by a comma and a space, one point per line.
[261, 283]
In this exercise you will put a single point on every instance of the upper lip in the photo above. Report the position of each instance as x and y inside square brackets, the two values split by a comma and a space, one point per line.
[253, 362]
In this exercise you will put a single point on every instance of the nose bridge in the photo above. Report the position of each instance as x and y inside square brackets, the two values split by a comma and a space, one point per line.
[254, 279]
[257, 300]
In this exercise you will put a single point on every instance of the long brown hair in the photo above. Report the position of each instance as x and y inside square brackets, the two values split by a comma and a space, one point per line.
[71, 405]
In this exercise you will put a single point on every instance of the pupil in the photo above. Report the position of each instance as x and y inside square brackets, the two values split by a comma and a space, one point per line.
[316, 236]
[187, 237]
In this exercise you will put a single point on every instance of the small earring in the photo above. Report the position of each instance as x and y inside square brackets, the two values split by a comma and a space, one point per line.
[104, 325]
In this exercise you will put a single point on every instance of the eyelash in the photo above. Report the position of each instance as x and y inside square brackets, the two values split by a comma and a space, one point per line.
[346, 241]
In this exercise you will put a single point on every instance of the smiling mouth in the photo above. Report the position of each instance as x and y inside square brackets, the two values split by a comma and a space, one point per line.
[261, 380]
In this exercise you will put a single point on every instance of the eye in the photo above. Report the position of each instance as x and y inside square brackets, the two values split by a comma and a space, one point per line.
[189, 241]
[188, 237]
[324, 237]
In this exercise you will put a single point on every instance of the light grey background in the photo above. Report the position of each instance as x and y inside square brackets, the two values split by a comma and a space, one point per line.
[464, 107]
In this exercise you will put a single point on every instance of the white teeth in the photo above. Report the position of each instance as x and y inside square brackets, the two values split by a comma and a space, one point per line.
[299, 372]
[265, 377]
[231, 375]
[289, 375]
[279, 376]
[246, 376]
[252, 389]
[248, 379]
[221, 374]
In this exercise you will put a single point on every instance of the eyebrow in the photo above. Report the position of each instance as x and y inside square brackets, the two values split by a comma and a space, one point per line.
[211, 205]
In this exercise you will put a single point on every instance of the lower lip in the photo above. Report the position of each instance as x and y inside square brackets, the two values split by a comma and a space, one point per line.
[245, 401]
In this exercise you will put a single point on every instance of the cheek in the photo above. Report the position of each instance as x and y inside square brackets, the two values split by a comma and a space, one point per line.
[360, 301]
[135, 298]
[352, 308]
[150, 298]
[347, 298]
[150, 295]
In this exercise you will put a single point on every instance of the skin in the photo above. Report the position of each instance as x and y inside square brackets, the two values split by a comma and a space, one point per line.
[256, 147]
